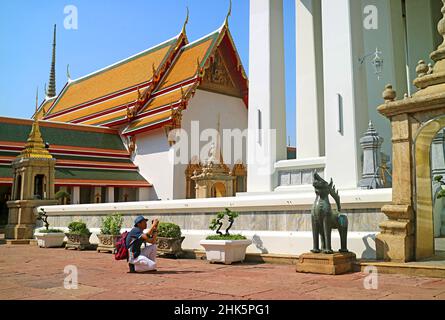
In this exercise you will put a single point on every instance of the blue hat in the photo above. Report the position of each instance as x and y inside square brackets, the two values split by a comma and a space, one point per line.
[138, 220]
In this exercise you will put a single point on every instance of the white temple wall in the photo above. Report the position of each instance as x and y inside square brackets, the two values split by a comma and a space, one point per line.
[152, 158]
[277, 223]
[207, 108]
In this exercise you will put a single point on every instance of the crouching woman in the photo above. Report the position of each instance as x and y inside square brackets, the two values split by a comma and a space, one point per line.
[142, 259]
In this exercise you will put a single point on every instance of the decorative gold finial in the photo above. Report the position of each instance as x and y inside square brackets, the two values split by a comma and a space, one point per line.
[389, 94]
[35, 147]
[68, 75]
[226, 22]
[186, 21]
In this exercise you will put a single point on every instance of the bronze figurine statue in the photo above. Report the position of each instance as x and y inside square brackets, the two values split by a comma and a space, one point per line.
[324, 219]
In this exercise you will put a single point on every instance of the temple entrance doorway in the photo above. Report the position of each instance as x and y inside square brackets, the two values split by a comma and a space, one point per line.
[438, 191]
[429, 197]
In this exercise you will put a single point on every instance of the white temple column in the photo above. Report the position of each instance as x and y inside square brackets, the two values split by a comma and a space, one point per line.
[346, 112]
[267, 111]
[110, 195]
[309, 79]
[76, 195]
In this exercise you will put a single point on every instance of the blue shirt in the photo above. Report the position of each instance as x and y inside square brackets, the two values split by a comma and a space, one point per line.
[134, 238]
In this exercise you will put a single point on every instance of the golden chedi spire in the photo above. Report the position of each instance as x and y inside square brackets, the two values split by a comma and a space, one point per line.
[35, 147]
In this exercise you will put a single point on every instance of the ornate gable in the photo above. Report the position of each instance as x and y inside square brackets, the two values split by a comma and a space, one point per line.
[217, 77]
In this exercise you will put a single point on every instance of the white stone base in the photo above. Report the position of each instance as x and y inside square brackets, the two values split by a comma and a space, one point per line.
[225, 251]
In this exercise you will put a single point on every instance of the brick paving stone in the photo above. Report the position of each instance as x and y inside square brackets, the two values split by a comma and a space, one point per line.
[29, 272]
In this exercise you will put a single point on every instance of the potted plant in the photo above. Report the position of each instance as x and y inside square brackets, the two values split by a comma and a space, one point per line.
[109, 233]
[169, 239]
[48, 238]
[225, 248]
[78, 236]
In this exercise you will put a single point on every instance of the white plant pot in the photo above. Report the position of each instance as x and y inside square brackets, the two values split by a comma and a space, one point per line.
[225, 251]
[50, 240]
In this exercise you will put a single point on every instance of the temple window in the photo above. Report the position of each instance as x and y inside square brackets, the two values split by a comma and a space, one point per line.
[18, 189]
[39, 181]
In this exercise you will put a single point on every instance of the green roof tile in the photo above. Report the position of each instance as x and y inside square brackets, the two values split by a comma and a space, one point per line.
[61, 136]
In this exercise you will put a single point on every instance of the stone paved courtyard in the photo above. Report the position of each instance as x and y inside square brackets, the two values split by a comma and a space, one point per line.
[27, 272]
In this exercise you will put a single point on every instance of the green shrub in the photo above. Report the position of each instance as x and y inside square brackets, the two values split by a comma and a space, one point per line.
[227, 237]
[169, 230]
[51, 231]
[78, 227]
[111, 225]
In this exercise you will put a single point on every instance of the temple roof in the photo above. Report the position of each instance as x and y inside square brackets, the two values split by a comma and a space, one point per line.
[186, 75]
[85, 155]
[137, 93]
[111, 87]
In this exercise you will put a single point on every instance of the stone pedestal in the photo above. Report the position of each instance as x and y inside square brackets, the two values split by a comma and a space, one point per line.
[396, 241]
[333, 264]
[22, 220]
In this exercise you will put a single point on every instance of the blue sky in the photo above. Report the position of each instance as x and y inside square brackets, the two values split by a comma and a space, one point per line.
[109, 31]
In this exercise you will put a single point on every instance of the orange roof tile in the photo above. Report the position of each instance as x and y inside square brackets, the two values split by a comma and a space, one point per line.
[149, 121]
[97, 108]
[166, 99]
[120, 114]
[186, 65]
[125, 74]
